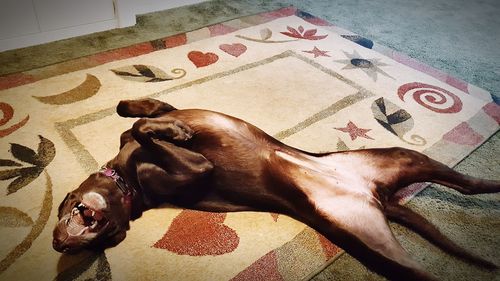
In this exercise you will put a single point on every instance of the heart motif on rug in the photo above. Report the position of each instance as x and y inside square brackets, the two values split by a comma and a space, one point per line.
[234, 50]
[202, 59]
[196, 233]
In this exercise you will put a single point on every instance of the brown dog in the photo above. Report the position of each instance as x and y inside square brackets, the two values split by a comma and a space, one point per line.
[210, 161]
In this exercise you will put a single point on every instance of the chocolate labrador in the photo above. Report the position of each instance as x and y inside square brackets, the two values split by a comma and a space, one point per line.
[210, 161]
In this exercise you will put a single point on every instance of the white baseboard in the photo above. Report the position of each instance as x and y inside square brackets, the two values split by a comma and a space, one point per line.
[54, 35]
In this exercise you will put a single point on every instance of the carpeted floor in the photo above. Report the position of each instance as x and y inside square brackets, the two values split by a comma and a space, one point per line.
[457, 37]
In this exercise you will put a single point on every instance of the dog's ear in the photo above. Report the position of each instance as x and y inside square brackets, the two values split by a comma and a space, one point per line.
[143, 108]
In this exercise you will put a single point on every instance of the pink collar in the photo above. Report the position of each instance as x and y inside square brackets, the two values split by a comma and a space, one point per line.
[120, 182]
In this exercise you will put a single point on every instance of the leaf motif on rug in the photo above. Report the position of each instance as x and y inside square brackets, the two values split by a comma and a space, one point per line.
[265, 34]
[13, 217]
[93, 267]
[365, 42]
[25, 175]
[85, 90]
[396, 120]
[342, 146]
[8, 113]
[147, 73]
[8, 214]
[265, 37]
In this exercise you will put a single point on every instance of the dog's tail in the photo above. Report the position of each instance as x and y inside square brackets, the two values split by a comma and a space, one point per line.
[406, 217]
[143, 108]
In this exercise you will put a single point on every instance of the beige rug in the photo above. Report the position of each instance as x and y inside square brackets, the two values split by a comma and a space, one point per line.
[311, 85]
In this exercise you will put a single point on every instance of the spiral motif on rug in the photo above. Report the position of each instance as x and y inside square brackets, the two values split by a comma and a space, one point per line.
[7, 113]
[431, 97]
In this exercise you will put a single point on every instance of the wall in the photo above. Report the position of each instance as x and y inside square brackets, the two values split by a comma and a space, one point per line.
[31, 22]
[126, 10]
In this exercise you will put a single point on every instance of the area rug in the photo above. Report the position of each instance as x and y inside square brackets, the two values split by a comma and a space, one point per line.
[308, 83]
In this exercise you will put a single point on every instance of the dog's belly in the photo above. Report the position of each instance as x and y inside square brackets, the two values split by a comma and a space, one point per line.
[241, 156]
[231, 144]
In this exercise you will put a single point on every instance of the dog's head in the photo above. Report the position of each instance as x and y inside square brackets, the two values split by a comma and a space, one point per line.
[93, 216]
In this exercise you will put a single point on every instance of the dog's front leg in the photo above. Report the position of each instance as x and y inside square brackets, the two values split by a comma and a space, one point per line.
[160, 136]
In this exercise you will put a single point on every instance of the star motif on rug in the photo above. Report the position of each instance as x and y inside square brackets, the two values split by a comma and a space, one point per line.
[354, 131]
[371, 67]
[317, 52]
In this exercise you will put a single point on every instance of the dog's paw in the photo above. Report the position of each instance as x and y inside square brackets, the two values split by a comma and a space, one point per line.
[177, 131]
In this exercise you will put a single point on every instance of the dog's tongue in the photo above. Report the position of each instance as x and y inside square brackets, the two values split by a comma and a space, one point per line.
[76, 225]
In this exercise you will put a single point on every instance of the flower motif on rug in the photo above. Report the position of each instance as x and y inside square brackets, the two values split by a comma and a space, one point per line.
[371, 67]
[301, 33]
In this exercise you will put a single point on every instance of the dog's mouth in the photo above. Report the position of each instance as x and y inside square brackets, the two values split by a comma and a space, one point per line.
[83, 220]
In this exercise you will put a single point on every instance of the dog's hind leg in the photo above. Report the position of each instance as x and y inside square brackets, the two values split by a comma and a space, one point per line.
[399, 167]
[465, 184]
[406, 217]
[358, 225]
[410, 166]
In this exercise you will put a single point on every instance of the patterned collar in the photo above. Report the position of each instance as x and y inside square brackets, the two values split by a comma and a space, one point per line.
[120, 182]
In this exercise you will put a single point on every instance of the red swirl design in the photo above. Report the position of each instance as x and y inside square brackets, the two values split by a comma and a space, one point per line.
[429, 96]
[8, 113]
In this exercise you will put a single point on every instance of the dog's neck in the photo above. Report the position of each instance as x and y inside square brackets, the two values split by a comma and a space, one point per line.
[128, 190]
